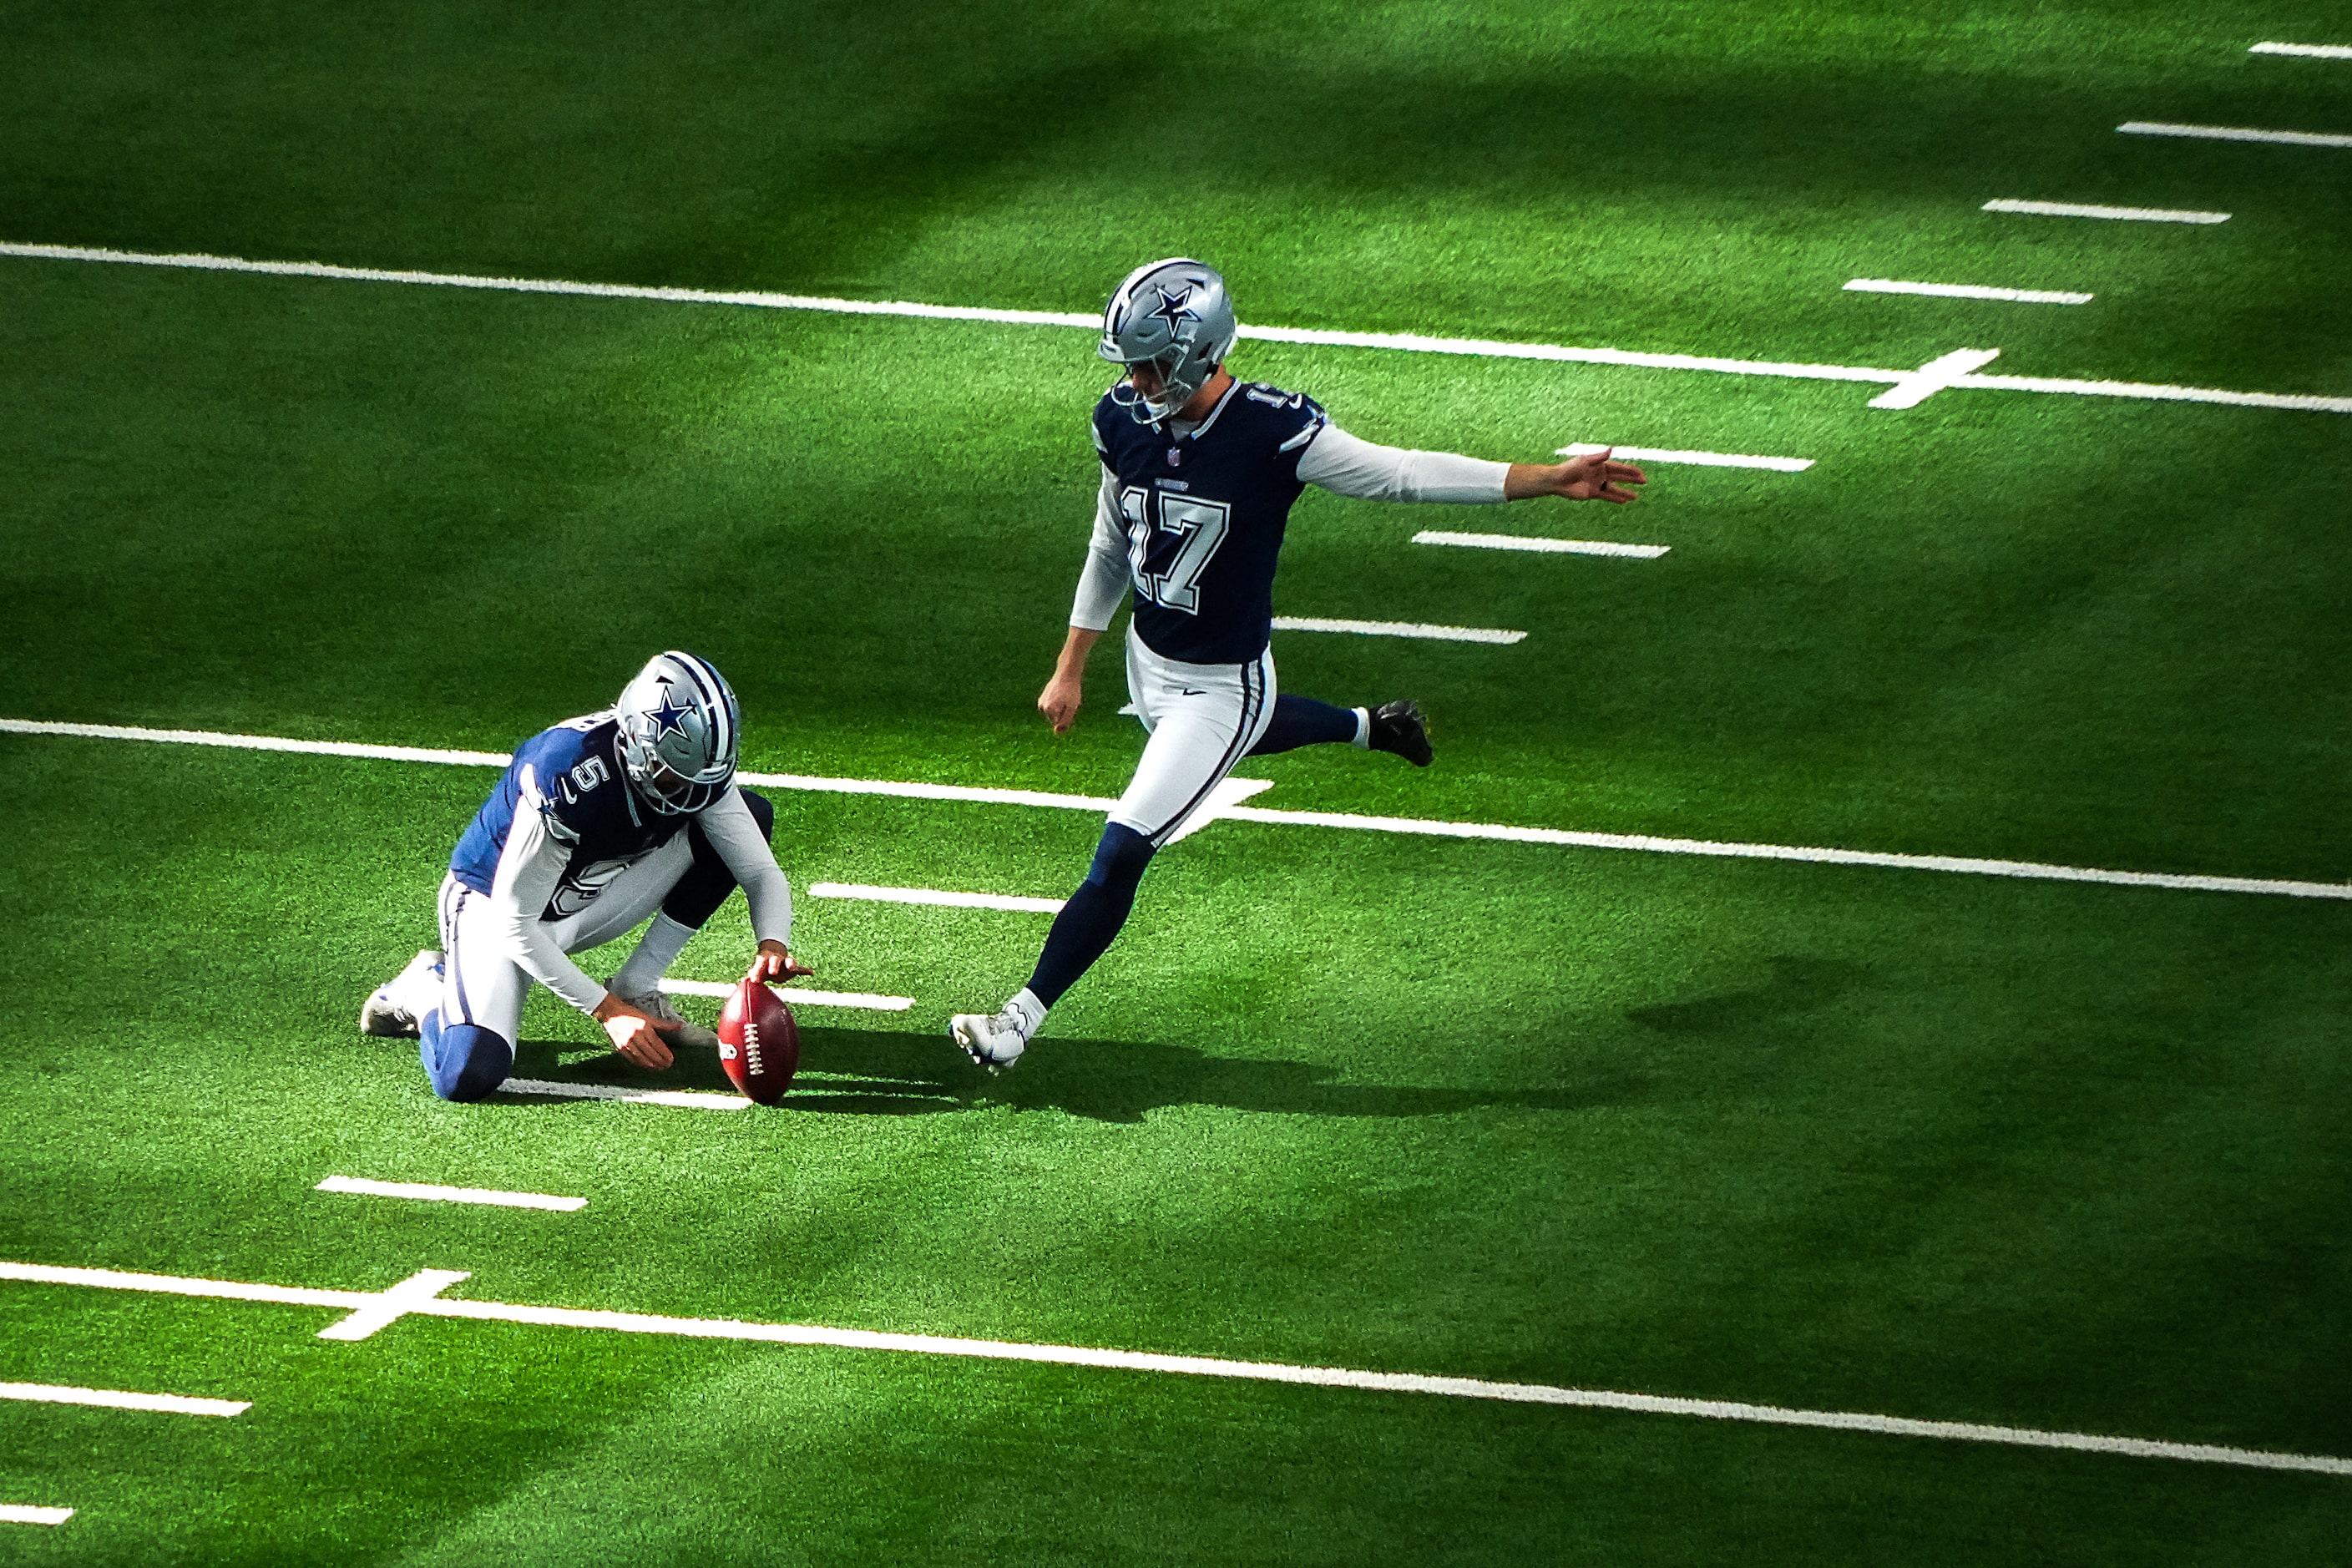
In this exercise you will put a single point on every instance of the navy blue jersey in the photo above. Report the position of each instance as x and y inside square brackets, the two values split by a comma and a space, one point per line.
[1205, 516]
[576, 783]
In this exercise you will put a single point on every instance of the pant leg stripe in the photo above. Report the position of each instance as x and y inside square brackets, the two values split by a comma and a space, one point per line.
[1252, 703]
[456, 973]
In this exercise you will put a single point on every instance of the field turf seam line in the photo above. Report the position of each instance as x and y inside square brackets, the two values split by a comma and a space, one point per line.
[1411, 342]
[419, 1295]
[2035, 871]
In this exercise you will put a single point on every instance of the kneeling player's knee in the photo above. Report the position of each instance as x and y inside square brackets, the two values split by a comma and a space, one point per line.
[764, 812]
[1120, 858]
[465, 1061]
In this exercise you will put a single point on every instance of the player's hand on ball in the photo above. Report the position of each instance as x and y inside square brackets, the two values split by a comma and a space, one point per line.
[1059, 702]
[773, 963]
[632, 1034]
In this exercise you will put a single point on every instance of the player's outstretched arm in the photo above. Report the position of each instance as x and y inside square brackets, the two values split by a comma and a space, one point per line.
[1059, 701]
[1350, 466]
[1590, 477]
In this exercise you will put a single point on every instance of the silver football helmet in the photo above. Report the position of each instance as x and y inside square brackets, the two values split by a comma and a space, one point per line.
[679, 723]
[1175, 316]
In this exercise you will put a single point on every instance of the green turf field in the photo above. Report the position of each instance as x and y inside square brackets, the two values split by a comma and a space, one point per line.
[2071, 1157]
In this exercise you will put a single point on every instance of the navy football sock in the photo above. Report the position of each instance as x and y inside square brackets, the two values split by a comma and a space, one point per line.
[465, 1061]
[1302, 722]
[1091, 918]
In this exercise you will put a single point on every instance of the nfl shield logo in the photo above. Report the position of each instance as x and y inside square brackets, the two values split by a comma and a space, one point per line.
[1175, 456]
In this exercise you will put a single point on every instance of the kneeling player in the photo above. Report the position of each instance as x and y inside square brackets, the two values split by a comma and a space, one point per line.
[597, 824]
[1199, 474]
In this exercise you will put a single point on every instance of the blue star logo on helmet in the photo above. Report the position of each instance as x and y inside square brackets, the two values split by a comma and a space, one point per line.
[1174, 308]
[670, 716]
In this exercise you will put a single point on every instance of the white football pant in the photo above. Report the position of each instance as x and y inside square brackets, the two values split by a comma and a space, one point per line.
[480, 981]
[1203, 719]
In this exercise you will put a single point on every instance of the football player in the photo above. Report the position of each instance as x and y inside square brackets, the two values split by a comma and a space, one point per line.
[1199, 474]
[597, 824]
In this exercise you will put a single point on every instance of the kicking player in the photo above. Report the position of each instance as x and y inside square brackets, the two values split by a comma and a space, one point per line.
[597, 824]
[1199, 474]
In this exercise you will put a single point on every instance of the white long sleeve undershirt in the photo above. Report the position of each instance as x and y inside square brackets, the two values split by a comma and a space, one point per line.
[1366, 471]
[537, 852]
[1336, 462]
[734, 832]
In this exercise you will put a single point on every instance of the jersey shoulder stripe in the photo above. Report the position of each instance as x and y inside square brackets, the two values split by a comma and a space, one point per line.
[1289, 419]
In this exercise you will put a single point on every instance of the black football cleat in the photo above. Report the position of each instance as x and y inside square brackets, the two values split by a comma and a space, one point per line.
[1399, 727]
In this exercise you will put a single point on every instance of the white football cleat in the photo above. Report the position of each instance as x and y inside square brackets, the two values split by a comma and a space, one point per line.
[992, 1040]
[393, 1007]
[679, 1029]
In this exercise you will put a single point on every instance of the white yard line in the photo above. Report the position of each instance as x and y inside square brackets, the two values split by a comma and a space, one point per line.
[677, 1099]
[1965, 291]
[964, 793]
[1545, 546]
[934, 896]
[2125, 214]
[1944, 370]
[419, 1296]
[1229, 792]
[25, 1513]
[2152, 391]
[2030, 869]
[797, 995]
[1396, 629]
[2308, 51]
[1641, 842]
[388, 1306]
[366, 1187]
[121, 1399]
[2236, 133]
[1411, 343]
[1701, 460]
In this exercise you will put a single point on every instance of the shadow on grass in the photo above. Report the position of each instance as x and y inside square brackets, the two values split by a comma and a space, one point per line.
[891, 1073]
[1795, 985]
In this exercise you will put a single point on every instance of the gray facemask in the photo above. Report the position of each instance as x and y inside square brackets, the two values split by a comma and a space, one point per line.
[1175, 316]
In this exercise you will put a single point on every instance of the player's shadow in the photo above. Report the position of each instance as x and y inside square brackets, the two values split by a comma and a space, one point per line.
[889, 1073]
[1795, 985]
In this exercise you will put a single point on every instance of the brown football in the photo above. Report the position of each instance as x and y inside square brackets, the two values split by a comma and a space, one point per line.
[759, 1043]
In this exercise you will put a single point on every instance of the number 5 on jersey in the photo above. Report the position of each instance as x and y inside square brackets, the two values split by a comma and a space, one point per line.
[1169, 554]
